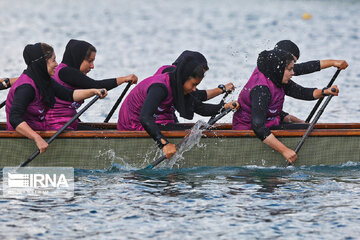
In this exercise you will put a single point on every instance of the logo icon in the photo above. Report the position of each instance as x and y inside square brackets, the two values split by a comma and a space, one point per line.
[20, 182]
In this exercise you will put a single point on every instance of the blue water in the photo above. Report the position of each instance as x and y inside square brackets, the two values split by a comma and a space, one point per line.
[320, 202]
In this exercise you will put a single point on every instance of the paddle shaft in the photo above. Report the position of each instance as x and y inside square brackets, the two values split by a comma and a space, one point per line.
[221, 102]
[117, 103]
[321, 99]
[35, 154]
[2, 104]
[210, 123]
[310, 128]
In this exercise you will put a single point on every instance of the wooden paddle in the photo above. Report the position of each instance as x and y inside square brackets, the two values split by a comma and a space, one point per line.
[117, 103]
[2, 104]
[209, 124]
[321, 99]
[35, 154]
[311, 127]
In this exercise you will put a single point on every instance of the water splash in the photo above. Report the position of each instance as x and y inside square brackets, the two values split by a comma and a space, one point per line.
[115, 162]
[189, 141]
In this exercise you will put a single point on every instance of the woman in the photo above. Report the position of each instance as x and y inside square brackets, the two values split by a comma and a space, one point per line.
[202, 95]
[310, 66]
[78, 60]
[262, 98]
[33, 94]
[306, 67]
[159, 94]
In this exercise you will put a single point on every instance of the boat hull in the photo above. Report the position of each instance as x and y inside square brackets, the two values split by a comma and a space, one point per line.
[217, 148]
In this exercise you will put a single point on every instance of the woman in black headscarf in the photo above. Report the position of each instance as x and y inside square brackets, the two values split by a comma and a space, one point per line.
[202, 95]
[305, 67]
[262, 98]
[78, 60]
[160, 95]
[33, 94]
[310, 66]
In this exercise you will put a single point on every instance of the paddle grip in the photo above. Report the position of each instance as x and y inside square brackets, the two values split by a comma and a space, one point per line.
[333, 90]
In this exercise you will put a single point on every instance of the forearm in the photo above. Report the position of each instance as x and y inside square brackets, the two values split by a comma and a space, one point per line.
[211, 93]
[205, 109]
[7, 82]
[317, 94]
[81, 94]
[25, 130]
[340, 64]
[292, 119]
[327, 63]
[13, 80]
[275, 144]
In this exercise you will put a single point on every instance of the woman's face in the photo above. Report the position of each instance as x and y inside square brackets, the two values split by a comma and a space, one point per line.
[88, 63]
[51, 65]
[288, 73]
[190, 85]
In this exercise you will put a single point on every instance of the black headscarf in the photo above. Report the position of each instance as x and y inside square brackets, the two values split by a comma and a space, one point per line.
[37, 71]
[198, 56]
[75, 53]
[180, 74]
[288, 46]
[272, 64]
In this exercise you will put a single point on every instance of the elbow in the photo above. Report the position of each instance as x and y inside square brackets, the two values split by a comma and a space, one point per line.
[260, 130]
[14, 123]
[256, 125]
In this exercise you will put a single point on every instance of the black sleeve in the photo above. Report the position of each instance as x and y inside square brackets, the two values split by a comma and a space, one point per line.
[77, 79]
[260, 99]
[306, 67]
[156, 94]
[205, 109]
[294, 90]
[62, 92]
[200, 94]
[23, 96]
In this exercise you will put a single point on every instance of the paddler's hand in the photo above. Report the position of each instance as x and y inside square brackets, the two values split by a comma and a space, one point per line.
[340, 64]
[333, 90]
[101, 92]
[130, 78]
[41, 144]
[169, 150]
[229, 87]
[232, 105]
[290, 155]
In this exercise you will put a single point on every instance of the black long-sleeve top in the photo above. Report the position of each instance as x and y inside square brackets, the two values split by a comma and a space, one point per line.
[156, 94]
[25, 94]
[260, 99]
[77, 79]
[306, 67]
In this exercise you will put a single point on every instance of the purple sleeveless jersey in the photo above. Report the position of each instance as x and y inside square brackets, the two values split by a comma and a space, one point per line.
[129, 114]
[242, 118]
[35, 112]
[63, 111]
